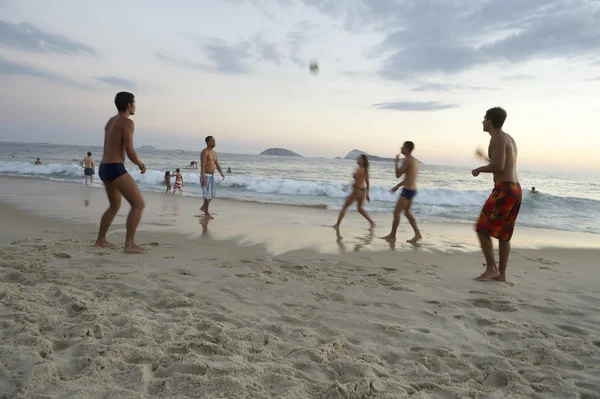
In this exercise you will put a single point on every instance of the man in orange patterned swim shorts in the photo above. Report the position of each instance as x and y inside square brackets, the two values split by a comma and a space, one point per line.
[499, 213]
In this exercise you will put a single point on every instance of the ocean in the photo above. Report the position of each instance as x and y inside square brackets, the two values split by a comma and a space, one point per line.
[445, 193]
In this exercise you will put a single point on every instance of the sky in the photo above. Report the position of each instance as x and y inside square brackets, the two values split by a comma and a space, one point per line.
[389, 71]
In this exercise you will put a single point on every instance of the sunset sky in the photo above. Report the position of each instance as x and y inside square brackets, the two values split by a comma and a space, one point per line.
[390, 71]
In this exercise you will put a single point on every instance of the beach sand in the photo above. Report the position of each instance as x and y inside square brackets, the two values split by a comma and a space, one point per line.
[245, 307]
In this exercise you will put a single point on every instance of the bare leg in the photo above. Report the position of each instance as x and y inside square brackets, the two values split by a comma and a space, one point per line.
[92, 179]
[114, 198]
[130, 191]
[504, 254]
[400, 205]
[347, 204]
[361, 210]
[491, 270]
[205, 209]
[86, 180]
[413, 224]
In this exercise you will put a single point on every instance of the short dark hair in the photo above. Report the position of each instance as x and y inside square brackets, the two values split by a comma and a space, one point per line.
[497, 116]
[89, 154]
[409, 145]
[123, 99]
[177, 170]
[207, 138]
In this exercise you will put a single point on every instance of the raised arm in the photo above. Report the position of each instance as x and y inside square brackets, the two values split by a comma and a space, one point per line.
[497, 154]
[128, 143]
[402, 169]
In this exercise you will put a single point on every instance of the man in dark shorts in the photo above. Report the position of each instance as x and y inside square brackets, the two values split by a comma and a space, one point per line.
[118, 141]
[409, 168]
[88, 167]
[499, 213]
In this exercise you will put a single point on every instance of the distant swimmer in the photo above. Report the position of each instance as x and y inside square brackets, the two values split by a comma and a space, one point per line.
[409, 168]
[118, 141]
[178, 181]
[533, 190]
[37, 162]
[88, 168]
[208, 162]
[360, 192]
[500, 211]
[228, 170]
[193, 165]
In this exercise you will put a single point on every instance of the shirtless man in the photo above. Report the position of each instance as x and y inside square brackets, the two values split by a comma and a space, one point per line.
[88, 167]
[499, 214]
[208, 162]
[409, 168]
[118, 141]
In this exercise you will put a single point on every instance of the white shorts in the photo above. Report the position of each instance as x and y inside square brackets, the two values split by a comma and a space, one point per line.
[208, 191]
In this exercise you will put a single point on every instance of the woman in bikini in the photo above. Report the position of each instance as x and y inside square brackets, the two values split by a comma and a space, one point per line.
[360, 191]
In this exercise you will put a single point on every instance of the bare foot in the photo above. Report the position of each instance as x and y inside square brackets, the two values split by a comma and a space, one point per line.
[103, 244]
[488, 274]
[500, 278]
[372, 226]
[208, 216]
[389, 237]
[135, 249]
[415, 239]
[336, 226]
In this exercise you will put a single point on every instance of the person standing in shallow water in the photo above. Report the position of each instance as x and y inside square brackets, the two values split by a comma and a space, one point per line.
[118, 141]
[500, 211]
[88, 168]
[360, 191]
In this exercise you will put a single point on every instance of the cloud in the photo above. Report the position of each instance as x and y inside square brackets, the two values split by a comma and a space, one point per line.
[426, 37]
[518, 76]
[414, 106]
[8, 67]
[434, 87]
[268, 51]
[115, 81]
[236, 58]
[443, 87]
[24, 36]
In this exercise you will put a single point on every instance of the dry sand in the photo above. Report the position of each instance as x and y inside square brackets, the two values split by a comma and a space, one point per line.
[199, 317]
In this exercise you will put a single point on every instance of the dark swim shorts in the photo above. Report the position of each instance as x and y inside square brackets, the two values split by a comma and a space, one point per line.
[500, 211]
[109, 172]
[88, 172]
[408, 194]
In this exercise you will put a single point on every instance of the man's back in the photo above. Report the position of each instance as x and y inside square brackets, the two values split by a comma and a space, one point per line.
[509, 174]
[114, 151]
[410, 180]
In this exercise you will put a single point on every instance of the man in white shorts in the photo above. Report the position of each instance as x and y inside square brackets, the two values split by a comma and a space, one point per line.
[208, 163]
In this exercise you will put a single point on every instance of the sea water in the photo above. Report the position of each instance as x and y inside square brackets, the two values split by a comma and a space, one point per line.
[445, 193]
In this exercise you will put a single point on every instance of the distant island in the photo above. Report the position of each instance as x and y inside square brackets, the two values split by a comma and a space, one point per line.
[355, 153]
[281, 152]
[146, 148]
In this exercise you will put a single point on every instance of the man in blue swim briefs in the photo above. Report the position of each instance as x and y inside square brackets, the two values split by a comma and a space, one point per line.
[208, 163]
[118, 141]
[409, 168]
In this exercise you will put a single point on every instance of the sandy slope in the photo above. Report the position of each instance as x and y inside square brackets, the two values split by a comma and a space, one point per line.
[209, 319]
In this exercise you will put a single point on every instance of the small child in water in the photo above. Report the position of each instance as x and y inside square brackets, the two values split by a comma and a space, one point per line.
[167, 181]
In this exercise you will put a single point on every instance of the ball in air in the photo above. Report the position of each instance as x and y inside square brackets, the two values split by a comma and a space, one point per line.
[313, 67]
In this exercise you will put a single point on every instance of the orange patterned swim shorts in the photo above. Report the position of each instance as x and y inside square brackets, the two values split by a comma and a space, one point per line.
[500, 211]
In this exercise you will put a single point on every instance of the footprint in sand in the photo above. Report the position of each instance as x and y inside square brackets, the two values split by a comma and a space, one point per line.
[496, 306]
